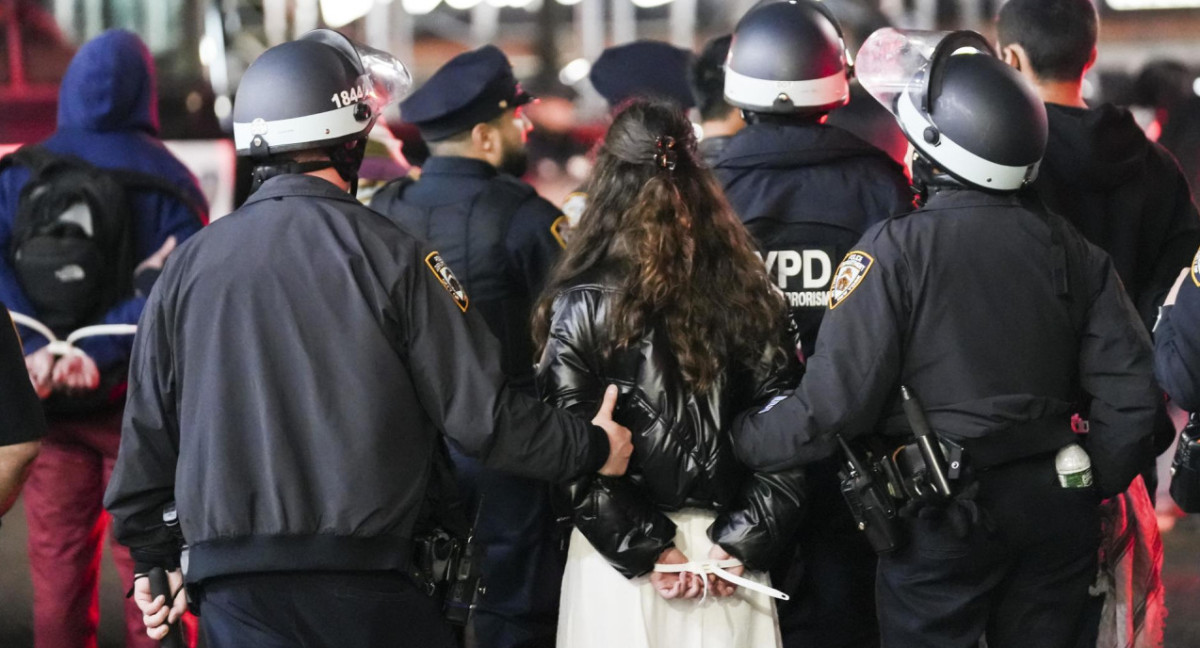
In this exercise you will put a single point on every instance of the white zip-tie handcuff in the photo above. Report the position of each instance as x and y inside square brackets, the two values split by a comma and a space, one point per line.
[717, 568]
[67, 347]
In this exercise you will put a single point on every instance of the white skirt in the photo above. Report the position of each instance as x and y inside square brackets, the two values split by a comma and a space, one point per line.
[600, 608]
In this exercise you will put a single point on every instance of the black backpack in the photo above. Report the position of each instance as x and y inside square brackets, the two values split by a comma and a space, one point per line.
[72, 245]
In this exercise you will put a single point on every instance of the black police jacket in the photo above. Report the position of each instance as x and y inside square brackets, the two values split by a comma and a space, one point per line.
[1125, 194]
[682, 456]
[293, 369]
[1177, 344]
[500, 237]
[807, 192]
[1003, 320]
[22, 418]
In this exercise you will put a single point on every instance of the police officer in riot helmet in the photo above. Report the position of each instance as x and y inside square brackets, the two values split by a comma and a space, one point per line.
[293, 372]
[328, 122]
[1004, 322]
[807, 191]
[804, 189]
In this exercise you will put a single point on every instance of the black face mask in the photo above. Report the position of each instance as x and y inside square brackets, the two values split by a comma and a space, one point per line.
[514, 162]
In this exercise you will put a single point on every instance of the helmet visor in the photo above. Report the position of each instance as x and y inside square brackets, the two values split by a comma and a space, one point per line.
[892, 62]
[384, 79]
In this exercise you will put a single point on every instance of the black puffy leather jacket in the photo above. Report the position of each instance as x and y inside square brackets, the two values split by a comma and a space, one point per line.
[683, 455]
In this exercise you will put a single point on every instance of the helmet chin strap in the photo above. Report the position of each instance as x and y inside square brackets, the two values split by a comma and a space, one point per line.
[267, 170]
[928, 178]
[343, 159]
[347, 160]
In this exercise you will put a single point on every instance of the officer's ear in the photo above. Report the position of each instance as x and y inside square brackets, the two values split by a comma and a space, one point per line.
[1014, 55]
[485, 138]
[1008, 54]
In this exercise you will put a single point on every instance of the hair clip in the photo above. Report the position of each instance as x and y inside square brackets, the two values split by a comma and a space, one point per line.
[666, 157]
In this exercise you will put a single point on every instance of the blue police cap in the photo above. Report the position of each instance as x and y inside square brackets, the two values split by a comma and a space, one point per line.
[472, 88]
[645, 69]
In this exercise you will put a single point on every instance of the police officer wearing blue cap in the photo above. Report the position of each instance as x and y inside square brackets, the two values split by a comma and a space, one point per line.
[646, 69]
[502, 239]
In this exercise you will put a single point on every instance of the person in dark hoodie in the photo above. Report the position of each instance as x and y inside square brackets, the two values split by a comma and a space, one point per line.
[807, 191]
[108, 116]
[1125, 193]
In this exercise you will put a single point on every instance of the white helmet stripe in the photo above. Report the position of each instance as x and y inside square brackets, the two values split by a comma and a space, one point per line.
[951, 156]
[331, 124]
[748, 91]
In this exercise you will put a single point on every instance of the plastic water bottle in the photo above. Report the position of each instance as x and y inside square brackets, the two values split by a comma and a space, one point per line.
[1074, 467]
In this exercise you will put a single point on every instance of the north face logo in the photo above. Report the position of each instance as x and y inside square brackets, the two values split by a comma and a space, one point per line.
[70, 273]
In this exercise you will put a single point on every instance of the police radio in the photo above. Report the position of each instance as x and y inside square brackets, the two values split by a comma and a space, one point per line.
[873, 508]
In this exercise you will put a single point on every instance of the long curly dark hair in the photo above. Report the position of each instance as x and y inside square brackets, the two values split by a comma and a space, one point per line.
[657, 216]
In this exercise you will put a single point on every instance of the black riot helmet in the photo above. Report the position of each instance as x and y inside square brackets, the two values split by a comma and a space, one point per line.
[787, 57]
[321, 91]
[966, 113]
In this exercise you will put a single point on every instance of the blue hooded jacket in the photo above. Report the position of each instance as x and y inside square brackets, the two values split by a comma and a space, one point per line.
[108, 115]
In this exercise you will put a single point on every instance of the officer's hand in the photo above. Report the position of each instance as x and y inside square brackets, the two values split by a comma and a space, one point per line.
[40, 365]
[620, 441]
[1171, 296]
[720, 586]
[156, 614]
[673, 585]
[76, 372]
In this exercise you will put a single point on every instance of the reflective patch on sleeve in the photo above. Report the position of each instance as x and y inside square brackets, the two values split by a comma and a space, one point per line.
[446, 277]
[771, 405]
[561, 230]
[1196, 269]
[849, 274]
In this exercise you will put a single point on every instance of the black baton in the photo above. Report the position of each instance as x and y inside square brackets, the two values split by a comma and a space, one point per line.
[925, 441]
[160, 585]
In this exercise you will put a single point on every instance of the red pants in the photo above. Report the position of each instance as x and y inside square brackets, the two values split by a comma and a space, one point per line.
[67, 525]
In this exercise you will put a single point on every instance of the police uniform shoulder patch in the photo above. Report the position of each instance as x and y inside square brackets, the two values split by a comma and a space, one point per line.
[849, 274]
[446, 277]
[561, 230]
[1196, 269]
[574, 205]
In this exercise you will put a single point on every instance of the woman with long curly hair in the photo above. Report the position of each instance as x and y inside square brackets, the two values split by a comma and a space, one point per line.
[660, 292]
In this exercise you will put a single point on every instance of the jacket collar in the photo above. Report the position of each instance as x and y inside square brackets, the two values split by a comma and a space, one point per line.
[294, 184]
[448, 165]
[774, 145]
[945, 198]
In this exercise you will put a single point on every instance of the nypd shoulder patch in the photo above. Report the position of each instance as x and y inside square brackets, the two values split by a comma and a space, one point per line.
[561, 230]
[574, 205]
[848, 276]
[1196, 268]
[446, 277]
